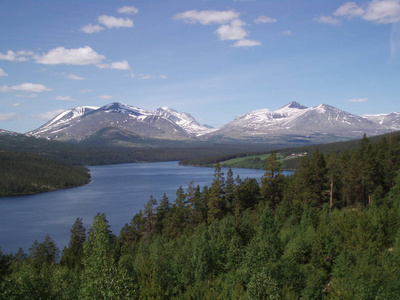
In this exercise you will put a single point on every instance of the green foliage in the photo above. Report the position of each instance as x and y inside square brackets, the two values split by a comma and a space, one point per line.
[331, 231]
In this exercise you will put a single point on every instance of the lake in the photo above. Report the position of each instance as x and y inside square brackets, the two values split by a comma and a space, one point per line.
[119, 191]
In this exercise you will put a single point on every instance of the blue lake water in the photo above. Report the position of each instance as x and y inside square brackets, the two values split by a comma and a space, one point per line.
[119, 191]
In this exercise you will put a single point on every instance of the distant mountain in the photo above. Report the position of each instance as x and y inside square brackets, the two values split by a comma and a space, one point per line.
[8, 133]
[292, 123]
[390, 121]
[81, 123]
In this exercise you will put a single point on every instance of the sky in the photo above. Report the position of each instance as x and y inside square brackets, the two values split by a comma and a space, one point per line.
[213, 59]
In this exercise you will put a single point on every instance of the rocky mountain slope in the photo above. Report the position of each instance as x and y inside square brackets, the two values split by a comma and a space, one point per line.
[82, 122]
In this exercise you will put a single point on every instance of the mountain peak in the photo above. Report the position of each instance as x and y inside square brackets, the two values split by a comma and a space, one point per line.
[294, 104]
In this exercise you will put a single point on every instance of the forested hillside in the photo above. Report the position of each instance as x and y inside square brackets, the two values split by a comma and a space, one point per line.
[84, 154]
[331, 231]
[290, 157]
[22, 174]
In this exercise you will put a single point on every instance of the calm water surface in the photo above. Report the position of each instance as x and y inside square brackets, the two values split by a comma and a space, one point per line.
[119, 191]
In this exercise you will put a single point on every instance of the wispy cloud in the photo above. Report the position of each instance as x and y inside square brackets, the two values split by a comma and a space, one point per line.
[16, 56]
[86, 91]
[376, 11]
[119, 65]
[26, 87]
[328, 20]
[26, 96]
[89, 28]
[265, 20]
[113, 22]
[246, 43]
[128, 10]
[73, 77]
[358, 100]
[2, 73]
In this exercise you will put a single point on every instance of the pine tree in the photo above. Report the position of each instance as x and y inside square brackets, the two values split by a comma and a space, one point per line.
[272, 181]
[216, 201]
[72, 256]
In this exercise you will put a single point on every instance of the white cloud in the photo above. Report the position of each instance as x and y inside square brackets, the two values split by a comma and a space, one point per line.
[144, 76]
[64, 98]
[26, 87]
[128, 10]
[264, 20]
[328, 20]
[2, 73]
[349, 9]
[111, 22]
[232, 31]
[359, 100]
[16, 56]
[287, 32]
[118, 65]
[163, 76]
[48, 115]
[105, 97]
[206, 17]
[16, 104]
[9, 116]
[377, 11]
[246, 43]
[231, 26]
[74, 77]
[26, 96]
[383, 11]
[78, 56]
[92, 28]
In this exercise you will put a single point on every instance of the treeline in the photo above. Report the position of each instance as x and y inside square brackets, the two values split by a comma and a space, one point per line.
[82, 154]
[22, 174]
[293, 163]
[330, 231]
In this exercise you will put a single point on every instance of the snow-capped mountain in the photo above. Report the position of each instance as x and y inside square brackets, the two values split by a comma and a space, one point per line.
[390, 121]
[82, 122]
[322, 123]
[291, 123]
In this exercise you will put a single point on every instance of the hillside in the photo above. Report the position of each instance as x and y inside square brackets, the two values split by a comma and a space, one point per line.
[24, 174]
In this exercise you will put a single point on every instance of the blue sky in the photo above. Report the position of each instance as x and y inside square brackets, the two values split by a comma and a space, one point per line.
[212, 59]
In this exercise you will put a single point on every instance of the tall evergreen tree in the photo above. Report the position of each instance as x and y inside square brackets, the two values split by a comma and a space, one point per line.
[272, 181]
[72, 256]
[216, 201]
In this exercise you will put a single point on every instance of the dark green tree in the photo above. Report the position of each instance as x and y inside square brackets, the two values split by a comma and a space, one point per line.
[72, 256]
[216, 201]
[272, 181]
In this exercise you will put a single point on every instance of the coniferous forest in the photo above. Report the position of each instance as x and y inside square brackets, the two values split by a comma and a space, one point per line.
[24, 173]
[330, 231]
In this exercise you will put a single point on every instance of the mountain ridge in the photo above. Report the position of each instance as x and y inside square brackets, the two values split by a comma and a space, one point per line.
[293, 121]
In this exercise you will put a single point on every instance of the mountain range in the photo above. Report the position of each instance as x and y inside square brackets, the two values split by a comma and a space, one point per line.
[292, 123]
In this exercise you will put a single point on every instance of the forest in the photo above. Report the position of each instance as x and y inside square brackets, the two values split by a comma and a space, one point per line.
[23, 174]
[330, 231]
